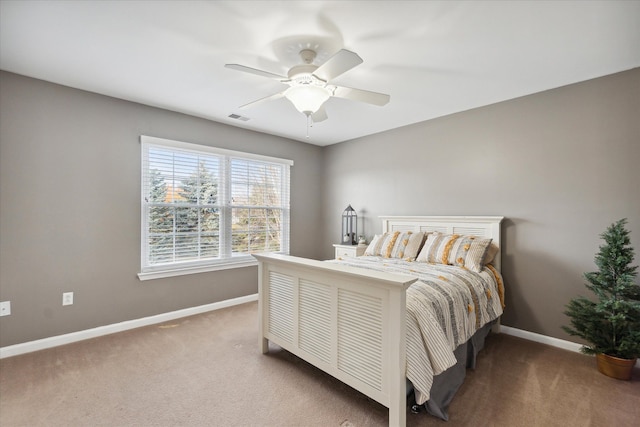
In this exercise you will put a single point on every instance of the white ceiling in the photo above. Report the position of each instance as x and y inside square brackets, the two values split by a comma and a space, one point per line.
[433, 57]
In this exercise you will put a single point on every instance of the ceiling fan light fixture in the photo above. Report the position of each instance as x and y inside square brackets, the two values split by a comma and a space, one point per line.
[307, 98]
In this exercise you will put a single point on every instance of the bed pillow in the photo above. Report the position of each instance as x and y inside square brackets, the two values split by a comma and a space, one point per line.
[492, 251]
[453, 249]
[398, 244]
[406, 245]
[373, 247]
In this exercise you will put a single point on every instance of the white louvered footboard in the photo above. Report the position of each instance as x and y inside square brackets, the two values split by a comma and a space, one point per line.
[349, 322]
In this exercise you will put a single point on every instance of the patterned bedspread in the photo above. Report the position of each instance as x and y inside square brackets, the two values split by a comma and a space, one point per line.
[445, 307]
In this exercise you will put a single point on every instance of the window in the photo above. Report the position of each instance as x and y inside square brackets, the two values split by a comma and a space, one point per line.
[206, 208]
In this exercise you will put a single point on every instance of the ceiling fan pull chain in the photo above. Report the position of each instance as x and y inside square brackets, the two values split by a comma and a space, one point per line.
[308, 119]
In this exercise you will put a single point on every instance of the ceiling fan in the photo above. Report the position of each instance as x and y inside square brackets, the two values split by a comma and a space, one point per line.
[310, 85]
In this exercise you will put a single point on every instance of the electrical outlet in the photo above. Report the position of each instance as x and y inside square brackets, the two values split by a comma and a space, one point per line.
[5, 308]
[67, 298]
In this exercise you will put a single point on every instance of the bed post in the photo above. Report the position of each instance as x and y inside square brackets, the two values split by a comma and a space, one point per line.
[397, 351]
[263, 343]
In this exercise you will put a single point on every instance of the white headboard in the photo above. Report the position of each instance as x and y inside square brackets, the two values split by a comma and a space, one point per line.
[481, 226]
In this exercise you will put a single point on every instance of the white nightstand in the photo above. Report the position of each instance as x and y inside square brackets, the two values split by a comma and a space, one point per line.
[345, 251]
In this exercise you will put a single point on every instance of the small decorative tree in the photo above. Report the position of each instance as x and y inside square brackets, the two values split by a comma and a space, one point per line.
[611, 324]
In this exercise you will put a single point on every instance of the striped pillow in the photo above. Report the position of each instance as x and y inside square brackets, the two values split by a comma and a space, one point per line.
[453, 249]
[374, 246]
[398, 244]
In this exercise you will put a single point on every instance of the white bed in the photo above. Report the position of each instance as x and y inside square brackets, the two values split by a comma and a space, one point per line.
[352, 322]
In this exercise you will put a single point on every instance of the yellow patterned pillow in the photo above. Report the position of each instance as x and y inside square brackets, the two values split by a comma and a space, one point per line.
[397, 244]
[453, 249]
[405, 246]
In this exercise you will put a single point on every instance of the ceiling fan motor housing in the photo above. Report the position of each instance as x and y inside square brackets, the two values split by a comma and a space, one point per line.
[301, 71]
[303, 74]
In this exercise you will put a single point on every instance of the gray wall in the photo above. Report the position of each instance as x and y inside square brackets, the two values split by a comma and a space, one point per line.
[70, 208]
[560, 165]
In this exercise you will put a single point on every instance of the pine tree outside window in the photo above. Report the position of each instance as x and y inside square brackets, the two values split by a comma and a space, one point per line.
[205, 208]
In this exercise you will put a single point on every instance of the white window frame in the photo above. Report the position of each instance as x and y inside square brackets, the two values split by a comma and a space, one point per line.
[226, 260]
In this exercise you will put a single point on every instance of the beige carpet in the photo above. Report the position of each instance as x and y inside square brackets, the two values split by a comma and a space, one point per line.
[206, 370]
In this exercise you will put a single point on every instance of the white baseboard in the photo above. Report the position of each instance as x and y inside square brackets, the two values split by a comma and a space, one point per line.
[544, 339]
[28, 347]
[554, 342]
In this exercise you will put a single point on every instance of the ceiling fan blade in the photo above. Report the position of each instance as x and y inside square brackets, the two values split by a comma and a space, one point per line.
[342, 61]
[261, 100]
[367, 96]
[320, 115]
[256, 71]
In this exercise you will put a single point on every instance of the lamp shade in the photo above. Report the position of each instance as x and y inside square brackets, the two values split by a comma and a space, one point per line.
[307, 98]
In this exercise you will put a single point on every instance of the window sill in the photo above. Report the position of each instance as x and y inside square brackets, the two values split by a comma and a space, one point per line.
[171, 272]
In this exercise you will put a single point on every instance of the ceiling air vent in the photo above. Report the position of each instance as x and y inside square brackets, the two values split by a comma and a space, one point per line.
[238, 117]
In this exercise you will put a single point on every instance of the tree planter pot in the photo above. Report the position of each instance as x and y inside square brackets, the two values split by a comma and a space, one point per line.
[615, 367]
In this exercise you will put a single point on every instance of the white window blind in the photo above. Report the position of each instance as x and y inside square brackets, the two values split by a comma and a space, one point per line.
[205, 208]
